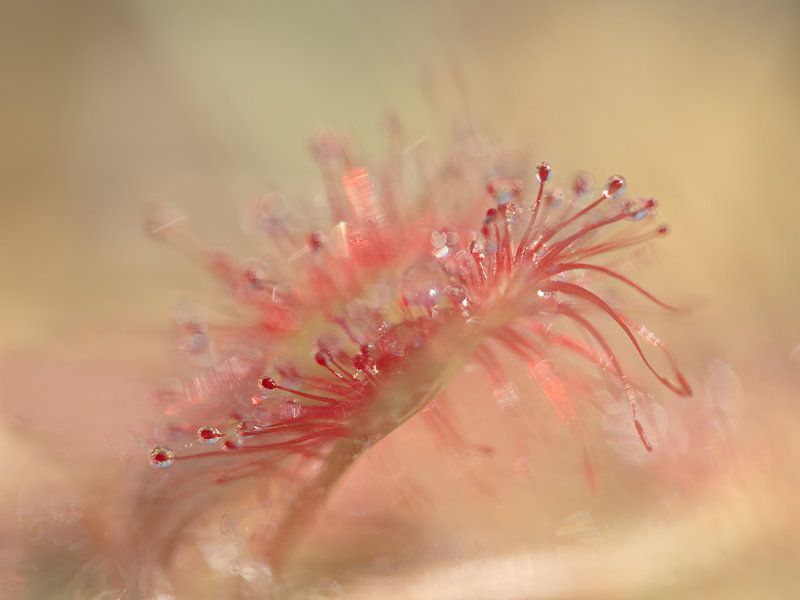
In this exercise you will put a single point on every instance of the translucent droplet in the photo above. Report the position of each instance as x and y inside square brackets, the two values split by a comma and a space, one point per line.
[233, 443]
[424, 285]
[161, 457]
[438, 239]
[543, 170]
[255, 276]
[505, 190]
[267, 383]
[228, 525]
[642, 208]
[192, 330]
[457, 294]
[512, 212]
[615, 186]
[555, 197]
[194, 343]
[266, 215]
[243, 427]
[208, 434]
[439, 243]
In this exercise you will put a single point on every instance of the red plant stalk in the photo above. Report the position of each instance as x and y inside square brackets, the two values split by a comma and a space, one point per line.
[402, 292]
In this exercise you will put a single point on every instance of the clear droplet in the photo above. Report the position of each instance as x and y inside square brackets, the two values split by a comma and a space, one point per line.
[233, 443]
[208, 434]
[424, 285]
[438, 239]
[243, 427]
[192, 330]
[504, 190]
[615, 186]
[266, 215]
[554, 197]
[267, 383]
[254, 275]
[543, 170]
[161, 457]
[642, 208]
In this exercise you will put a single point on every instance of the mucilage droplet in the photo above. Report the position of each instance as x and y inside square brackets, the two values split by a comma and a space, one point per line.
[161, 457]
[615, 187]
[208, 434]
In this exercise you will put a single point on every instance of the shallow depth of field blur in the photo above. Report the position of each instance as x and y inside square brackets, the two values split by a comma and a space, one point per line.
[106, 106]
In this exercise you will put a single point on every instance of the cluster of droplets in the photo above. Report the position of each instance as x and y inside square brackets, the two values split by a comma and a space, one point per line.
[439, 279]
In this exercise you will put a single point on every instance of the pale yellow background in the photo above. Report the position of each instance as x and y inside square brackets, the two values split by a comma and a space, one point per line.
[107, 105]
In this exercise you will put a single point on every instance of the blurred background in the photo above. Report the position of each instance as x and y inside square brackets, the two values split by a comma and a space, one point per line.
[107, 106]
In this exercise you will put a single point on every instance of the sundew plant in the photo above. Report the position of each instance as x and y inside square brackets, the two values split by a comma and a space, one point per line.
[351, 323]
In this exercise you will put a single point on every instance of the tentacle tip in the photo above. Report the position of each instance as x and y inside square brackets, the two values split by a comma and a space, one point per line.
[615, 187]
[543, 171]
[687, 389]
[267, 383]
